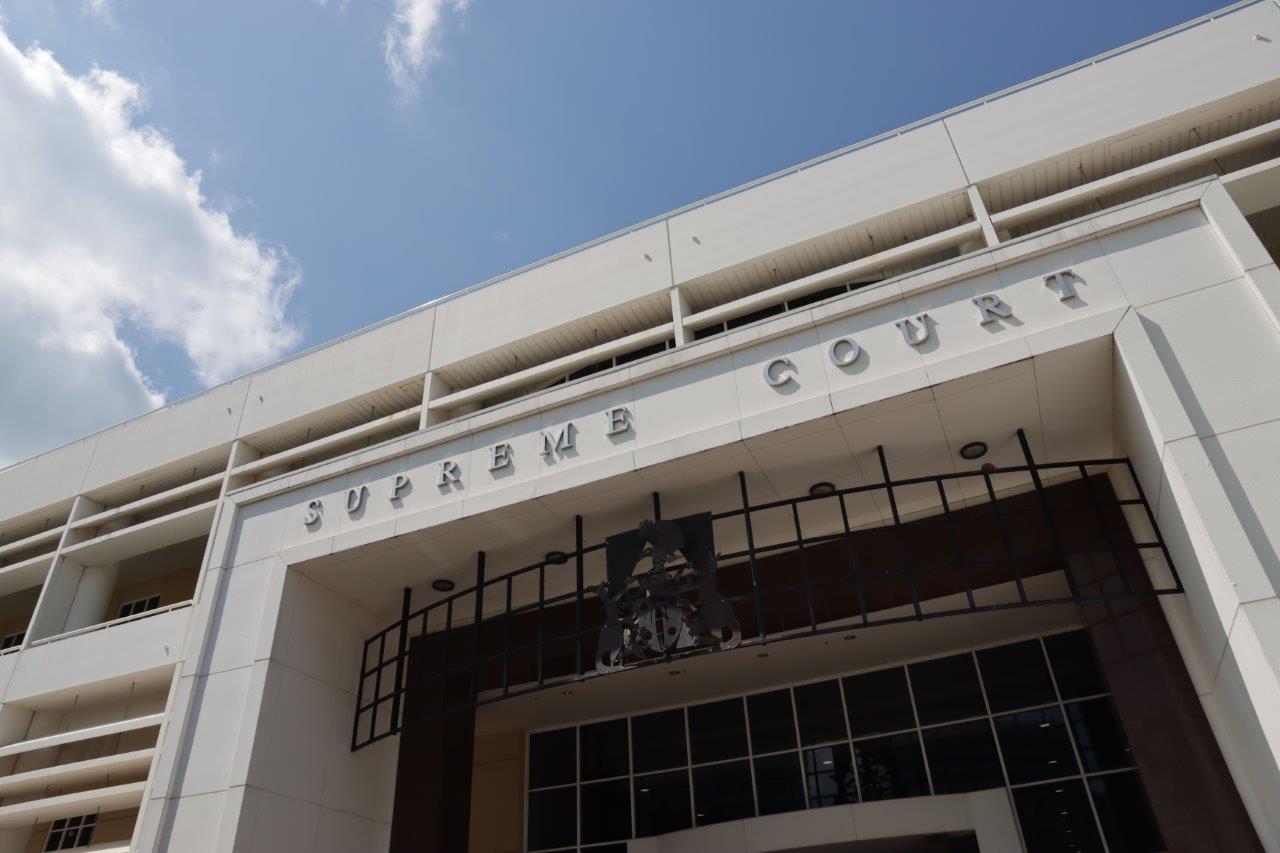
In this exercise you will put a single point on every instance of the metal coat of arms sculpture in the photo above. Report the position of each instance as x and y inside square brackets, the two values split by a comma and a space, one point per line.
[670, 606]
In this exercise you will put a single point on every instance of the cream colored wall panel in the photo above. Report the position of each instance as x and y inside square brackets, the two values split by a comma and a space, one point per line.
[1193, 68]
[384, 355]
[1221, 353]
[177, 431]
[45, 479]
[582, 283]
[1172, 255]
[851, 188]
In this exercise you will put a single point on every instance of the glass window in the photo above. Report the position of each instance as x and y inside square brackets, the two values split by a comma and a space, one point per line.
[603, 747]
[657, 741]
[828, 774]
[1016, 676]
[891, 767]
[1074, 665]
[779, 787]
[717, 731]
[946, 689]
[722, 792]
[662, 803]
[70, 832]
[606, 811]
[820, 712]
[962, 757]
[773, 726]
[552, 758]
[1035, 745]
[878, 702]
[553, 818]
[1101, 743]
[1056, 817]
[1125, 814]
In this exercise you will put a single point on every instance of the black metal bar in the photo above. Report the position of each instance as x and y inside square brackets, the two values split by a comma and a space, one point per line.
[1103, 527]
[476, 623]
[955, 544]
[364, 673]
[377, 685]
[1048, 511]
[854, 571]
[897, 526]
[751, 557]
[402, 646]
[1151, 517]
[577, 646]
[506, 642]
[1004, 536]
[657, 507]
[542, 600]
[804, 568]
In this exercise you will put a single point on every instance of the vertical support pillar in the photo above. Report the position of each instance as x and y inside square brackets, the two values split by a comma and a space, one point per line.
[432, 807]
[979, 208]
[433, 388]
[679, 310]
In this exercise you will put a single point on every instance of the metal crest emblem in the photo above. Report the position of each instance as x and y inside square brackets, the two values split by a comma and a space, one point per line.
[670, 606]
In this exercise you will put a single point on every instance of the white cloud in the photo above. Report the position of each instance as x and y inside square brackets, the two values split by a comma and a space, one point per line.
[103, 9]
[103, 229]
[411, 41]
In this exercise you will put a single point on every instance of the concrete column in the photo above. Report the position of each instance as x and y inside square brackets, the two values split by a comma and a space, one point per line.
[979, 208]
[93, 594]
[433, 388]
[679, 310]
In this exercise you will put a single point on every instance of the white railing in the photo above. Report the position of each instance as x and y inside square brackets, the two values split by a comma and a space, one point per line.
[102, 626]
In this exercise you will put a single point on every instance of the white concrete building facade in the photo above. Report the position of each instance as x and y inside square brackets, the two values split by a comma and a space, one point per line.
[967, 435]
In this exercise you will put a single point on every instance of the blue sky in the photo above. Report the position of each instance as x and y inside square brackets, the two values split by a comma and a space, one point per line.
[355, 188]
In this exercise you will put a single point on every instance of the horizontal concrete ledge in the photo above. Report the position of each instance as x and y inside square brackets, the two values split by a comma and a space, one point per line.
[76, 772]
[69, 805]
[129, 725]
[148, 536]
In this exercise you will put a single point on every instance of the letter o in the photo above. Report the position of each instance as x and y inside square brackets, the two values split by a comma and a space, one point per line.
[851, 352]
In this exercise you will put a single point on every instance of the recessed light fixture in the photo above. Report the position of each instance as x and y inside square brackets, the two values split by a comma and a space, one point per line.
[556, 558]
[974, 450]
[823, 488]
[763, 655]
[442, 585]
[675, 671]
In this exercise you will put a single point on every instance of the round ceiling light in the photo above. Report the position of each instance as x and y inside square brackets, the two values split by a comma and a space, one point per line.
[556, 558]
[974, 450]
[442, 585]
[817, 490]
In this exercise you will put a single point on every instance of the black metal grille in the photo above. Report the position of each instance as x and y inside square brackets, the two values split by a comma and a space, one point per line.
[950, 562]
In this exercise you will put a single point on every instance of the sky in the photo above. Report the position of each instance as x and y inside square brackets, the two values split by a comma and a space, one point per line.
[191, 190]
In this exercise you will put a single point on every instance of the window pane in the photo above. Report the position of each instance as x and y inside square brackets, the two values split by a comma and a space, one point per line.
[552, 758]
[946, 689]
[820, 712]
[717, 730]
[1101, 743]
[773, 725]
[722, 792]
[1035, 745]
[1125, 813]
[1056, 817]
[662, 803]
[606, 811]
[657, 741]
[1016, 676]
[828, 773]
[891, 767]
[878, 702]
[1074, 665]
[963, 757]
[553, 819]
[779, 787]
[603, 747]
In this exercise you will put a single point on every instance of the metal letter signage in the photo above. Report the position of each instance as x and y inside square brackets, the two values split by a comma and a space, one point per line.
[315, 507]
[910, 333]
[499, 456]
[355, 498]
[1063, 281]
[662, 610]
[449, 474]
[618, 419]
[557, 441]
[990, 307]
[843, 352]
[398, 485]
[779, 372]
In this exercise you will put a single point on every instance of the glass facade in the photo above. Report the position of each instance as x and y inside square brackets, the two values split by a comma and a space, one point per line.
[1033, 716]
